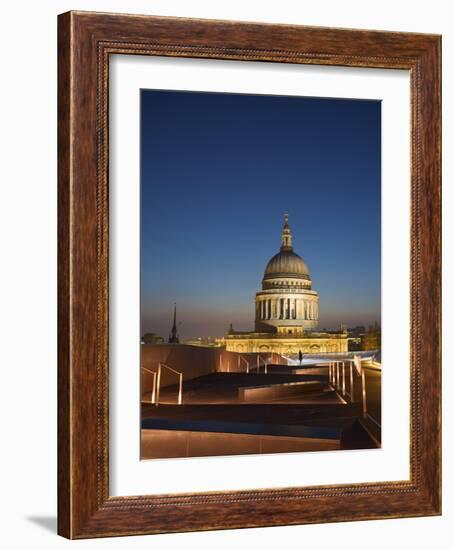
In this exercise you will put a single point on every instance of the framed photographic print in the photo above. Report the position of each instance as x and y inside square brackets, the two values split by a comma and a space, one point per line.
[249, 275]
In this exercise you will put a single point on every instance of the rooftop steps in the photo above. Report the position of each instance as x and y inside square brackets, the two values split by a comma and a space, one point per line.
[223, 387]
[288, 409]
[271, 392]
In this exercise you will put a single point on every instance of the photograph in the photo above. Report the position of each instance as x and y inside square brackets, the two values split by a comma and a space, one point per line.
[260, 274]
[224, 291]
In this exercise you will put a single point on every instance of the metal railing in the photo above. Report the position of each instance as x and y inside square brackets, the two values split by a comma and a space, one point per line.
[153, 393]
[351, 381]
[247, 364]
[357, 366]
[338, 376]
[357, 362]
[264, 363]
[157, 379]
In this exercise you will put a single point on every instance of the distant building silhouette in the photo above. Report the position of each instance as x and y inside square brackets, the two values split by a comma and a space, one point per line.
[152, 338]
[371, 340]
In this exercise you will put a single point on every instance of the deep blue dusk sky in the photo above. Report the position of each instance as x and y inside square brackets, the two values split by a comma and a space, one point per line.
[218, 173]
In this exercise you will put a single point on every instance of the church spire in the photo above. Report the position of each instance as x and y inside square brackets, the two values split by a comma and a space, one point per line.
[287, 244]
[174, 338]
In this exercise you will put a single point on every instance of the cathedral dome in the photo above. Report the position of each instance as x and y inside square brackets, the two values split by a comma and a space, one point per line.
[286, 303]
[286, 263]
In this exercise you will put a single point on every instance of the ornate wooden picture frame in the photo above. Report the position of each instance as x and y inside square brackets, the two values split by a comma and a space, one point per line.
[86, 41]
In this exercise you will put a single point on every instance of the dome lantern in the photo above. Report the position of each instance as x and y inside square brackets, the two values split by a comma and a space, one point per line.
[287, 238]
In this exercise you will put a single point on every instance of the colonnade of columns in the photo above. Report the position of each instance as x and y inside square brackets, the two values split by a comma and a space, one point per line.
[286, 308]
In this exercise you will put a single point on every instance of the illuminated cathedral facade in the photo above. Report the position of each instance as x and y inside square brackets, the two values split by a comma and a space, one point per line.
[286, 310]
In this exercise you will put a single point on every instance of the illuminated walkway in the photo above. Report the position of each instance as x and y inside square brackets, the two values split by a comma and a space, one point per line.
[288, 409]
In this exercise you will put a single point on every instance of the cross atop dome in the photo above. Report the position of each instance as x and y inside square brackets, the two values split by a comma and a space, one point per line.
[286, 236]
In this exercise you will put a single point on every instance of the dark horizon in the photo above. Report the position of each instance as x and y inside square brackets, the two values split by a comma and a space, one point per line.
[218, 173]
